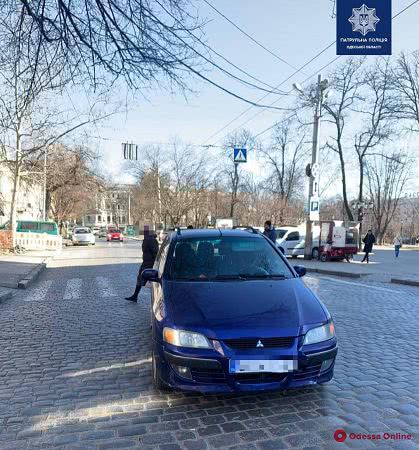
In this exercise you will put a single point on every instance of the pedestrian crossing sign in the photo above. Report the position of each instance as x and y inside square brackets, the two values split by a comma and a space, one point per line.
[240, 155]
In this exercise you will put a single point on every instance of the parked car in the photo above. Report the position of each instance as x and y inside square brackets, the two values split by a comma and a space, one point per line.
[83, 236]
[291, 241]
[115, 235]
[229, 314]
[102, 232]
[96, 231]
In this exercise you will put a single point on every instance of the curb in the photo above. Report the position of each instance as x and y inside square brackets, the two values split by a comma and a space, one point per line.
[336, 273]
[5, 294]
[406, 282]
[32, 276]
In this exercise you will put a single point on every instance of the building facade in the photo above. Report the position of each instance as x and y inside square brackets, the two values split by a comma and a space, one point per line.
[110, 208]
[29, 203]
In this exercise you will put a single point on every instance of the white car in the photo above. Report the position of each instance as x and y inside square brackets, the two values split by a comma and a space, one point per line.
[83, 236]
[291, 241]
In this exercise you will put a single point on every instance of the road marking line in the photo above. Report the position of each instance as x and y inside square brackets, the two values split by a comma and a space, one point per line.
[73, 289]
[39, 292]
[105, 287]
[377, 288]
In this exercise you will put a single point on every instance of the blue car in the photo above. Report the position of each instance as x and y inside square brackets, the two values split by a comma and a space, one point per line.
[229, 314]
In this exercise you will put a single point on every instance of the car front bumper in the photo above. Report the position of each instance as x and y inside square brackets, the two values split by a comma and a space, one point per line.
[211, 373]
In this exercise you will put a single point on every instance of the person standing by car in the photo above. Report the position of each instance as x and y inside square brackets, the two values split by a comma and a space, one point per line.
[397, 245]
[269, 231]
[150, 249]
[369, 241]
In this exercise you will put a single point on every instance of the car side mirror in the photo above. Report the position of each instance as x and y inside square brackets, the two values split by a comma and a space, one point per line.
[150, 275]
[301, 270]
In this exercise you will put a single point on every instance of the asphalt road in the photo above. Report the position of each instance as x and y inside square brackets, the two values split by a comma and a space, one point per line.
[75, 369]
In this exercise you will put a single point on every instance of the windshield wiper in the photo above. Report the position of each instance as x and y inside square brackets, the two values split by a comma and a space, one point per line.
[278, 276]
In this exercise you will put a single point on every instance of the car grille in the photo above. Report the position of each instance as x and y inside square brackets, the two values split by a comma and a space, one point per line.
[307, 372]
[254, 378]
[208, 375]
[249, 343]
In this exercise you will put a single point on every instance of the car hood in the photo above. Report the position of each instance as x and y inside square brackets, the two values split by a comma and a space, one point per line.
[243, 308]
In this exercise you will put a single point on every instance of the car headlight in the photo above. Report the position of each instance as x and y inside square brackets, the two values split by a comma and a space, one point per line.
[320, 334]
[182, 338]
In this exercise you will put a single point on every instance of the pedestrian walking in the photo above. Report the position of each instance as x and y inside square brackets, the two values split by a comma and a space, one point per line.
[269, 231]
[397, 245]
[150, 249]
[368, 241]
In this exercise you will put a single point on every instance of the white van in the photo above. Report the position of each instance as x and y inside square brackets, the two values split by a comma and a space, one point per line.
[291, 240]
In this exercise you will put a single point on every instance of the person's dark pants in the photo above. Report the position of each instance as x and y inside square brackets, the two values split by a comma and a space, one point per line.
[140, 281]
[397, 250]
[366, 257]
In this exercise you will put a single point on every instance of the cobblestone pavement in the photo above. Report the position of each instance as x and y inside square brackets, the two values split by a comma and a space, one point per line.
[75, 370]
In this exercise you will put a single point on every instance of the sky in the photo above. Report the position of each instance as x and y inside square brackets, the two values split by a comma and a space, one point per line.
[296, 30]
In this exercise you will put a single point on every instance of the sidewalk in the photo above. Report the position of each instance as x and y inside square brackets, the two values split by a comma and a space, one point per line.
[18, 271]
[383, 266]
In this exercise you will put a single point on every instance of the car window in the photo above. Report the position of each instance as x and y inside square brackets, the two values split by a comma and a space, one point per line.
[163, 256]
[225, 257]
[280, 233]
[294, 236]
[81, 231]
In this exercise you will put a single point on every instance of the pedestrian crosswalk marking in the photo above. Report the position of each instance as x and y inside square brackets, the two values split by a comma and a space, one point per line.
[73, 289]
[39, 292]
[105, 287]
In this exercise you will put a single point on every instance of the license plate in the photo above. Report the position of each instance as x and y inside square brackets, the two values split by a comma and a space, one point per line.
[262, 365]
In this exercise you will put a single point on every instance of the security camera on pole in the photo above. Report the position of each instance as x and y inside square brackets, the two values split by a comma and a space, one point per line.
[313, 169]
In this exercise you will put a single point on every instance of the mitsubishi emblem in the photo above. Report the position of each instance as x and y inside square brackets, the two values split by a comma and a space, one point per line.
[259, 344]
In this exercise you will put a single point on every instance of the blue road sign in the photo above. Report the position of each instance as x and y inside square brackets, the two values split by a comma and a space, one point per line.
[363, 28]
[240, 155]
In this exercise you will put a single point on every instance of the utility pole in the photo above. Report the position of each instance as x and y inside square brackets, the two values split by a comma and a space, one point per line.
[313, 190]
[44, 209]
[129, 208]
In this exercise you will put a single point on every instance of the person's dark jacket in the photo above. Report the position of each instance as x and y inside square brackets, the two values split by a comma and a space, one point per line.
[150, 249]
[270, 234]
[369, 241]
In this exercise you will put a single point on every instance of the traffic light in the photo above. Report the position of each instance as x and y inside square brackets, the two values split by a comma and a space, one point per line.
[130, 151]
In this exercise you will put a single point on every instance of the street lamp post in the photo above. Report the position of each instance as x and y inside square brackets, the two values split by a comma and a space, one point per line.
[313, 190]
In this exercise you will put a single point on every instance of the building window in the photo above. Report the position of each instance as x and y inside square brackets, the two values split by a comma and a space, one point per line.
[123, 219]
[109, 219]
[88, 219]
[99, 218]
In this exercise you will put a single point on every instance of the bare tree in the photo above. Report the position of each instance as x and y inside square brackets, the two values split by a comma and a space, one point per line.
[345, 83]
[406, 84]
[29, 85]
[387, 177]
[285, 157]
[375, 112]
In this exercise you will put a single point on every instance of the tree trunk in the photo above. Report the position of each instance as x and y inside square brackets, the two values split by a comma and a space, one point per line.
[16, 186]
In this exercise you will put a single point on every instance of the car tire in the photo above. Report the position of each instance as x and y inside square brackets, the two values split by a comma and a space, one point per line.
[324, 258]
[155, 374]
[315, 253]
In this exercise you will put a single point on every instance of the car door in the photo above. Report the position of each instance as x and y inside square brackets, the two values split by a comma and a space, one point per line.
[292, 240]
[157, 288]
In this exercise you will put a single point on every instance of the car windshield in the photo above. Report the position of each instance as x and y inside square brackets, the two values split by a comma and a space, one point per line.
[82, 231]
[280, 233]
[226, 258]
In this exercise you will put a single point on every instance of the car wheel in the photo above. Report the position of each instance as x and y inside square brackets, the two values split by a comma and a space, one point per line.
[315, 253]
[155, 373]
[324, 258]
